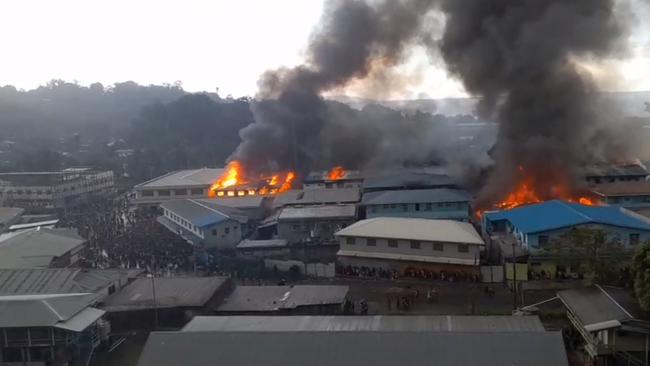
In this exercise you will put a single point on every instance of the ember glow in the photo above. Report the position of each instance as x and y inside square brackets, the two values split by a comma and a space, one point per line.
[338, 172]
[530, 192]
[235, 183]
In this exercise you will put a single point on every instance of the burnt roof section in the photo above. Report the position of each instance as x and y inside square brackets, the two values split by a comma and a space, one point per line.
[317, 177]
[171, 292]
[353, 348]
[275, 298]
[615, 170]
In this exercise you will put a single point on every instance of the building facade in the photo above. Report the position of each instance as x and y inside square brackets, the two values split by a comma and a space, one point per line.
[182, 184]
[40, 192]
[314, 224]
[444, 203]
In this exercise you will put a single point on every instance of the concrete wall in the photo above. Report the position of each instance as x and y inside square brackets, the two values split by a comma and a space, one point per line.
[225, 235]
[450, 210]
[449, 250]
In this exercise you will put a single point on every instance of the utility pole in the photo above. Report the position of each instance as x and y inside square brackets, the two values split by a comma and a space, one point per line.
[514, 277]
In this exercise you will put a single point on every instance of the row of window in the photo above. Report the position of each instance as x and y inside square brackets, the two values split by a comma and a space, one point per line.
[634, 239]
[179, 220]
[177, 192]
[226, 230]
[419, 206]
[628, 199]
[414, 244]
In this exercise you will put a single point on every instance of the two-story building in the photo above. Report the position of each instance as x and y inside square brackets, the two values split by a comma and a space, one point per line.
[202, 222]
[441, 203]
[411, 244]
[633, 195]
[181, 184]
[346, 179]
[611, 173]
[314, 224]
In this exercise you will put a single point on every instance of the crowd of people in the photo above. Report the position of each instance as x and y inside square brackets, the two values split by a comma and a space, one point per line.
[410, 273]
[120, 236]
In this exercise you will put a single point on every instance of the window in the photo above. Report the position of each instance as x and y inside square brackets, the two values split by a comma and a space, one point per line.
[147, 193]
[164, 192]
[542, 240]
[439, 247]
[227, 230]
[197, 191]
[349, 241]
[428, 207]
[634, 239]
[405, 207]
[415, 244]
[417, 207]
[214, 232]
[295, 227]
[371, 242]
[13, 355]
[463, 248]
[392, 243]
[180, 192]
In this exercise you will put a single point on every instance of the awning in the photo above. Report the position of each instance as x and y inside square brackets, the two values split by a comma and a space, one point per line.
[81, 320]
[406, 257]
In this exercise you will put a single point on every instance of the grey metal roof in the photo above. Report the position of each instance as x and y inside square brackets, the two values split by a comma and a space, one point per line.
[36, 248]
[594, 305]
[184, 178]
[270, 243]
[608, 170]
[313, 196]
[406, 180]
[9, 213]
[59, 281]
[416, 196]
[273, 298]
[41, 310]
[353, 349]
[81, 320]
[379, 323]
[203, 213]
[170, 292]
[318, 212]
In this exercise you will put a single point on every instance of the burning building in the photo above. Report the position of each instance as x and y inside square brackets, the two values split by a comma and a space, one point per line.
[337, 177]
[236, 182]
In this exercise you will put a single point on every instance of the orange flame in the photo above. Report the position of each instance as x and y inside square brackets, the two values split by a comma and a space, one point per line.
[234, 176]
[338, 172]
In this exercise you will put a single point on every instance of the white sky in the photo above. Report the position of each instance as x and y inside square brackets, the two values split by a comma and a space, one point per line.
[204, 43]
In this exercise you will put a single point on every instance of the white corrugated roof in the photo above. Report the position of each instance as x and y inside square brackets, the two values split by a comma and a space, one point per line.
[414, 229]
[184, 178]
[318, 212]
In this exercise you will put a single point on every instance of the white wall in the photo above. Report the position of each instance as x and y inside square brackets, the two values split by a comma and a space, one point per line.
[450, 250]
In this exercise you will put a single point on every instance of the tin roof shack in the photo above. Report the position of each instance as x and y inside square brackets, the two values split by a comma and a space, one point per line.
[406, 245]
[50, 329]
[610, 173]
[350, 179]
[314, 224]
[357, 323]
[180, 184]
[307, 197]
[613, 328]
[205, 222]
[633, 195]
[9, 216]
[440, 203]
[270, 248]
[167, 301]
[353, 348]
[101, 282]
[41, 248]
[407, 180]
[284, 300]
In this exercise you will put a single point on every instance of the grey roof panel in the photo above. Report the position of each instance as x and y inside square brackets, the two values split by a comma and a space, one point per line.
[416, 196]
[383, 323]
[41, 310]
[353, 349]
[59, 281]
[318, 212]
[10, 213]
[271, 243]
[592, 305]
[274, 298]
[202, 213]
[35, 248]
[184, 178]
[315, 196]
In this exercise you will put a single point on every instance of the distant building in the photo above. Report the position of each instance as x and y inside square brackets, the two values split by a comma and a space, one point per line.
[42, 330]
[9, 216]
[315, 224]
[204, 222]
[407, 180]
[285, 300]
[351, 179]
[193, 183]
[535, 226]
[317, 196]
[441, 203]
[40, 248]
[633, 195]
[354, 341]
[405, 244]
[49, 191]
[613, 328]
[611, 173]
[174, 300]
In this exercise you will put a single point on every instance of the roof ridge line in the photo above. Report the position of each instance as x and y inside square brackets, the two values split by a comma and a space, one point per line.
[614, 301]
[208, 208]
[44, 302]
[576, 211]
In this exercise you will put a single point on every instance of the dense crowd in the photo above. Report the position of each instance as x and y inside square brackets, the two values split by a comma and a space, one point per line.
[411, 273]
[120, 236]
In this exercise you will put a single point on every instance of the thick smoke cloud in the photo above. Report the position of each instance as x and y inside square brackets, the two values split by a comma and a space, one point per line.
[353, 38]
[522, 58]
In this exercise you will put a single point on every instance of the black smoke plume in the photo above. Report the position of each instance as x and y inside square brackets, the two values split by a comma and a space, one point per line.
[353, 38]
[522, 58]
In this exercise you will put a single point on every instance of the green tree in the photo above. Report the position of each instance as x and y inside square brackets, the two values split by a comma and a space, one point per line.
[641, 273]
[598, 257]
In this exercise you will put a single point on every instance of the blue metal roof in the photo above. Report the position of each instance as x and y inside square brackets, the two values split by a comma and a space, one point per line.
[557, 214]
[201, 213]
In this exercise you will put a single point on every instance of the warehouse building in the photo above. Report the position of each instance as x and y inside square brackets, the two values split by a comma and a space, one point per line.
[317, 196]
[405, 245]
[41, 248]
[348, 179]
[441, 203]
[192, 183]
